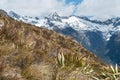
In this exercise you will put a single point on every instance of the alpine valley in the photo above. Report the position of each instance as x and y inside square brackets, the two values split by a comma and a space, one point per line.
[102, 37]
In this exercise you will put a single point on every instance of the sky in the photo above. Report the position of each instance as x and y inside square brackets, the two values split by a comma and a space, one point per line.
[74, 1]
[99, 8]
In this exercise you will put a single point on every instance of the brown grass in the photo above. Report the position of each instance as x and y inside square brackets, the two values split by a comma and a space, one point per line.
[32, 53]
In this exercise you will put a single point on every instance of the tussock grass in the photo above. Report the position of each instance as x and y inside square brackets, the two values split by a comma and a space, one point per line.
[33, 53]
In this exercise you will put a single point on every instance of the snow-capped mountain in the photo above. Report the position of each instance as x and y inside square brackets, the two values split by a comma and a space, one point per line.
[82, 23]
[92, 34]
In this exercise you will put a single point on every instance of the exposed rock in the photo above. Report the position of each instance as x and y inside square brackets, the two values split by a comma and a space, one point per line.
[3, 13]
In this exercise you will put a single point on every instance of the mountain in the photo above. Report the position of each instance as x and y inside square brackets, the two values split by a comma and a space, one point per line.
[113, 47]
[29, 52]
[94, 35]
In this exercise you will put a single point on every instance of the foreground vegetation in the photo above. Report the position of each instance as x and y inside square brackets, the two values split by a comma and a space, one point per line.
[32, 53]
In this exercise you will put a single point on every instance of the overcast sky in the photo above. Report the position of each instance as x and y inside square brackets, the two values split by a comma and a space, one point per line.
[63, 7]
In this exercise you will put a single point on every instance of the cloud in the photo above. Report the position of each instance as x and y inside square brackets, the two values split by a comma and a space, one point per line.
[99, 8]
[38, 7]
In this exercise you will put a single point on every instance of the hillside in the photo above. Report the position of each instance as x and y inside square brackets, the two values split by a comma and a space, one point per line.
[29, 52]
[94, 34]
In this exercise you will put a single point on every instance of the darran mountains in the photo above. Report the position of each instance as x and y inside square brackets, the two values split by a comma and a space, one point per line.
[99, 37]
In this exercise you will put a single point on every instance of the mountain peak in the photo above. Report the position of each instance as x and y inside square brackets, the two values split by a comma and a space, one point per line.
[54, 16]
[14, 15]
[3, 13]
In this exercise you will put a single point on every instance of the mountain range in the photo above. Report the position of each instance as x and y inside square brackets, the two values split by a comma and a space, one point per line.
[29, 52]
[98, 36]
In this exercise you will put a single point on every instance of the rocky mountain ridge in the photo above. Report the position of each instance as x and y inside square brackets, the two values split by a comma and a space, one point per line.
[29, 52]
[94, 35]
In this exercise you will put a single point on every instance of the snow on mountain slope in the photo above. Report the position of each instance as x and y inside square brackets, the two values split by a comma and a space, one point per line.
[78, 24]
[107, 30]
[75, 23]
[94, 35]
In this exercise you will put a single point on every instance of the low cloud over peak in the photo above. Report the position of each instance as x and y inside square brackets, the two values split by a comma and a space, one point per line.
[45, 7]
[38, 7]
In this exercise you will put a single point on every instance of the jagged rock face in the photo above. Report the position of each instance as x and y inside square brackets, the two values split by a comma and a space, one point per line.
[113, 47]
[97, 43]
[3, 13]
[14, 15]
[91, 40]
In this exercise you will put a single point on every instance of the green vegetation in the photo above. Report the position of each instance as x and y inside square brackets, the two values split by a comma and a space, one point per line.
[92, 71]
